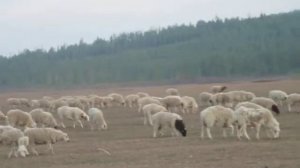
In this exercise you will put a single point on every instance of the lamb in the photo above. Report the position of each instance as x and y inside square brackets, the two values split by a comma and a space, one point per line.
[278, 96]
[189, 104]
[204, 99]
[257, 117]
[19, 118]
[172, 91]
[150, 109]
[267, 103]
[146, 100]
[132, 100]
[169, 120]
[72, 113]
[117, 99]
[173, 103]
[216, 116]
[43, 118]
[48, 136]
[218, 88]
[14, 138]
[96, 119]
[293, 102]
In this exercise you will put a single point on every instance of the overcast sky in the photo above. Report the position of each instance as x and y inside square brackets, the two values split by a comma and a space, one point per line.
[37, 24]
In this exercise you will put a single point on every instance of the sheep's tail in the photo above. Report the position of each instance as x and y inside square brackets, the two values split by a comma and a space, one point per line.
[105, 151]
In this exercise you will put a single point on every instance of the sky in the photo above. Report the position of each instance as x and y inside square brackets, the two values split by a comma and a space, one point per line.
[41, 24]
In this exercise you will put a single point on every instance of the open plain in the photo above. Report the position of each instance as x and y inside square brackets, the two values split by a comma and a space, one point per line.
[131, 145]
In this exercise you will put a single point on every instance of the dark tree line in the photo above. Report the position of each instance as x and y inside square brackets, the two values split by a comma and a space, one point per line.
[266, 45]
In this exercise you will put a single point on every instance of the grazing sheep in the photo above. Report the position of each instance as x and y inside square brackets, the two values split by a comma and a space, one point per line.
[132, 100]
[216, 116]
[72, 113]
[248, 105]
[222, 99]
[293, 102]
[173, 103]
[13, 102]
[146, 100]
[107, 101]
[73, 102]
[267, 103]
[97, 119]
[150, 109]
[278, 96]
[117, 99]
[96, 101]
[19, 118]
[44, 104]
[55, 104]
[173, 121]
[142, 94]
[240, 96]
[204, 99]
[11, 137]
[258, 117]
[218, 89]
[189, 104]
[172, 91]
[43, 118]
[48, 136]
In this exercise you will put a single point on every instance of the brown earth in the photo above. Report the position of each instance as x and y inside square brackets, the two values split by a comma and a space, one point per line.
[131, 144]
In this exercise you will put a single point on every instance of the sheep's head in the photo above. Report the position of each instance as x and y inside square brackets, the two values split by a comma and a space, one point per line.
[275, 128]
[179, 125]
[85, 117]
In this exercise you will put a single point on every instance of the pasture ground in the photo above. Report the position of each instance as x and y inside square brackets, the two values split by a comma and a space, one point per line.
[131, 144]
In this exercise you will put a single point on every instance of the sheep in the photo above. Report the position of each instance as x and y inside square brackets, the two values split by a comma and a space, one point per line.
[267, 103]
[257, 117]
[45, 104]
[218, 89]
[73, 102]
[293, 102]
[18, 102]
[10, 137]
[142, 94]
[96, 101]
[19, 118]
[163, 120]
[204, 99]
[223, 99]
[146, 100]
[189, 104]
[72, 113]
[2, 116]
[48, 136]
[43, 118]
[150, 109]
[172, 91]
[107, 101]
[96, 119]
[278, 96]
[240, 96]
[117, 99]
[23, 142]
[216, 116]
[55, 104]
[132, 100]
[173, 103]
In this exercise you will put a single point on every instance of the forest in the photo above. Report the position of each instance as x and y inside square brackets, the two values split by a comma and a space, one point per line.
[267, 45]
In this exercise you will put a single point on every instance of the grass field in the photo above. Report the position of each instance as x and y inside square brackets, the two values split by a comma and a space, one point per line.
[131, 144]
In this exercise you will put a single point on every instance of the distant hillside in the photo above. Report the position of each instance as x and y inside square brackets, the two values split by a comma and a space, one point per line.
[267, 45]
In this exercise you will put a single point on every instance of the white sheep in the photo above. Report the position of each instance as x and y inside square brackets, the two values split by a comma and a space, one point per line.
[19, 118]
[55, 104]
[96, 119]
[132, 100]
[204, 100]
[146, 100]
[72, 113]
[107, 101]
[216, 116]
[150, 109]
[189, 104]
[278, 96]
[218, 88]
[96, 101]
[48, 136]
[164, 120]
[240, 96]
[118, 99]
[222, 99]
[267, 103]
[142, 94]
[10, 136]
[43, 118]
[258, 117]
[173, 103]
[172, 91]
[293, 102]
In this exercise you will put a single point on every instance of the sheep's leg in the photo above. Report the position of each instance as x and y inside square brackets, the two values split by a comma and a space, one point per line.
[79, 123]
[175, 131]
[155, 129]
[244, 128]
[12, 151]
[232, 130]
[208, 133]
[50, 147]
[34, 151]
[257, 130]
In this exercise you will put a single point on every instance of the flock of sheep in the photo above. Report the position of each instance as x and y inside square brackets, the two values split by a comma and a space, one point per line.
[237, 110]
